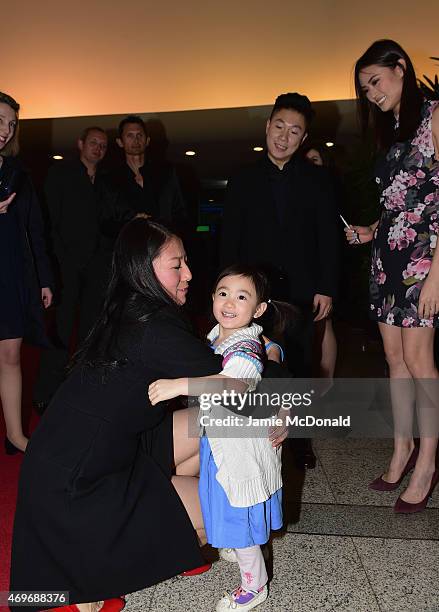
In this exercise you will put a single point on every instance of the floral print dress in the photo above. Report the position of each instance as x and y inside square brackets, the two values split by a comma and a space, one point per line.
[406, 236]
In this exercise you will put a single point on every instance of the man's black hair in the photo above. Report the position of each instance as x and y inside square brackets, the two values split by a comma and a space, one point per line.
[297, 102]
[131, 119]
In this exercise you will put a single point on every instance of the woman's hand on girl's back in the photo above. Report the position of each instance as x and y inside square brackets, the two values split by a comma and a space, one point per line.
[279, 433]
[273, 352]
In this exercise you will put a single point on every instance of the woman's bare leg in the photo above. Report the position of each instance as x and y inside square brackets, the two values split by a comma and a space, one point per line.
[10, 391]
[187, 489]
[186, 442]
[418, 346]
[187, 466]
[402, 391]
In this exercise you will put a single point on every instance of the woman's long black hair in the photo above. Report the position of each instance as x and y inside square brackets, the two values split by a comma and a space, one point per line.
[133, 294]
[389, 54]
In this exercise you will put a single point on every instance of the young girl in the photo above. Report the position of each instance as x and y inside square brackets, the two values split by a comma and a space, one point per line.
[240, 477]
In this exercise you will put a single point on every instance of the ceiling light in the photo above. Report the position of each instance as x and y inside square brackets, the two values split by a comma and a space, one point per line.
[190, 153]
[329, 144]
[57, 157]
[258, 149]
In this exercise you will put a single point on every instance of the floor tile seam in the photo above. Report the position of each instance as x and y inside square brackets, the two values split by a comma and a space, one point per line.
[366, 574]
[346, 505]
[327, 480]
[365, 537]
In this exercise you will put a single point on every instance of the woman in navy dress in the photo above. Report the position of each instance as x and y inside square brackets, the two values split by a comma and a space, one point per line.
[24, 273]
[404, 277]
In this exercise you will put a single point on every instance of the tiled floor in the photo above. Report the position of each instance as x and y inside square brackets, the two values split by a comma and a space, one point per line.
[343, 548]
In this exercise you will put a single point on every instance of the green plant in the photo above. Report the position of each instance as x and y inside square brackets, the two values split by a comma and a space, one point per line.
[430, 88]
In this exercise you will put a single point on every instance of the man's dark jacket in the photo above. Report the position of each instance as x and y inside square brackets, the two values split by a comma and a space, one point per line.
[300, 251]
[74, 207]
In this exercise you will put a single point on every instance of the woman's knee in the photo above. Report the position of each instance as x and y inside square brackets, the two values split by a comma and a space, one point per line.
[9, 354]
[419, 363]
[394, 357]
[186, 440]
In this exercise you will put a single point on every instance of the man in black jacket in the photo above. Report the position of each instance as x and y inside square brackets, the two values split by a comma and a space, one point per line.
[280, 215]
[73, 191]
[144, 187]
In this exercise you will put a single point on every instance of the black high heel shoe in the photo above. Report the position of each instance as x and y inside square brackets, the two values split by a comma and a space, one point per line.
[11, 449]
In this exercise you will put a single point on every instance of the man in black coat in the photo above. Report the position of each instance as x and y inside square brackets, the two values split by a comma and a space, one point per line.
[73, 191]
[144, 187]
[280, 215]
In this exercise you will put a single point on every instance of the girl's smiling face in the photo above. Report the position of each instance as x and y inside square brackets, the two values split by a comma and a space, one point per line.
[235, 303]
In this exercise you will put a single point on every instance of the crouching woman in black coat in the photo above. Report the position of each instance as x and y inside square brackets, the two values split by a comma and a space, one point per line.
[98, 513]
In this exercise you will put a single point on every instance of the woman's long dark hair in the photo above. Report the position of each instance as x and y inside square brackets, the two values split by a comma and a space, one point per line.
[133, 294]
[389, 54]
[278, 315]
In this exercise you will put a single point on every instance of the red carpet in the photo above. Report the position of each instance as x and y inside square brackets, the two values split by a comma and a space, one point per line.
[10, 465]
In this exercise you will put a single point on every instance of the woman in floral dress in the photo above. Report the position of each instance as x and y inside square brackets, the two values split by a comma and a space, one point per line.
[404, 279]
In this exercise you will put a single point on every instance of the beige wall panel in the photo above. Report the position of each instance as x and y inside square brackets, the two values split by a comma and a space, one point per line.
[97, 57]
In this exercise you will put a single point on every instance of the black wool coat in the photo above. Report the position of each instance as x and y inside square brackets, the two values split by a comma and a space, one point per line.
[97, 514]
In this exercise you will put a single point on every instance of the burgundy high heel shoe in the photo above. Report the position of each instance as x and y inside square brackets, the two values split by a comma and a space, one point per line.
[382, 485]
[403, 507]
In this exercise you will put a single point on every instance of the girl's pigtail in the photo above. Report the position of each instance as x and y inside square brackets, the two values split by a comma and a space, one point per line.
[278, 317]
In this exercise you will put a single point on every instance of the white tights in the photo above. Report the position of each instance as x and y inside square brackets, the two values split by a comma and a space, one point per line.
[252, 567]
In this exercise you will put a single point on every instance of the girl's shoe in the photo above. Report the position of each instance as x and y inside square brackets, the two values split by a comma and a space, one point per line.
[240, 599]
[228, 554]
[382, 485]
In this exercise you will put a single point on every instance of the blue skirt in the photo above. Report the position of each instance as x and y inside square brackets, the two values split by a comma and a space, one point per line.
[227, 526]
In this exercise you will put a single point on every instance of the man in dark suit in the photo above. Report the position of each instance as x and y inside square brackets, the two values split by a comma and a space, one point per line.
[73, 191]
[280, 215]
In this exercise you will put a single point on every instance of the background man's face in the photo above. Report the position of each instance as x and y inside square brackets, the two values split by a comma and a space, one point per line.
[285, 132]
[94, 147]
[133, 140]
